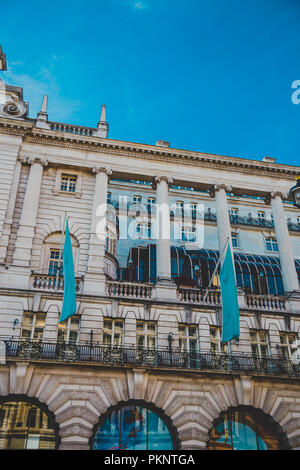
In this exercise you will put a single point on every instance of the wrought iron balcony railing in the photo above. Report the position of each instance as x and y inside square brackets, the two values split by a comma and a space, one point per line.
[120, 356]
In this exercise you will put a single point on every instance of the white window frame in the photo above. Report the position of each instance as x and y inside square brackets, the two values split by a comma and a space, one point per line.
[186, 338]
[57, 189]
[271, 242]
[34, 325]
[66, 324]
[144, 230]
[291, 348]
[259, 343]
[111, 332]
[235, 236]
[145, 333]
[220, 348]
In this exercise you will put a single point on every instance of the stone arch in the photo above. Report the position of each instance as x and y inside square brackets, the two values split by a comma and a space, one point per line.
[261, 420]
[144, 404]
[53, 241]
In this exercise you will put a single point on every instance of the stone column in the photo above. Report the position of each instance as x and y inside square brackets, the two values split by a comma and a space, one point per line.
[288, 269]
[165, 288]
[24, 241]
[95, 278]
[10, 209]
[223, 220]
[163, 254]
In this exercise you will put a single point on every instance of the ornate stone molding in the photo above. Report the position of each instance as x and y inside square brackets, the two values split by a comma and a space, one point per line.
[101, 169]
[167, 179]
[38, 161]
[273, 194]
[281, 194]
[22, 160]
[217, 187]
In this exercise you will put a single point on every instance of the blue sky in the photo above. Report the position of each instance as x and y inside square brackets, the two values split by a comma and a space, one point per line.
[207, 75]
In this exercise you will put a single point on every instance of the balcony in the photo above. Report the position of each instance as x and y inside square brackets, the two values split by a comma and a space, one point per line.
[50, 283]
[95, 353]
[132, 290]
[196, 296]
[266, 302]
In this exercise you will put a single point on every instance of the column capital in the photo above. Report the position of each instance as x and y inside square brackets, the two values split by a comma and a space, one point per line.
[217, 187]
[281, 194]
[101, 169]
[273, 194]
[36, 160]
[22, 160]
[165, 178]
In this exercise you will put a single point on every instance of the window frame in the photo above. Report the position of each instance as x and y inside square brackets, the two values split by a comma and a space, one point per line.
[32, 327]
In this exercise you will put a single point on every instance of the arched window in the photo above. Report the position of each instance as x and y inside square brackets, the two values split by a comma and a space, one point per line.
[51, 259]
[134, 425]
[246, 428]
[25, 423]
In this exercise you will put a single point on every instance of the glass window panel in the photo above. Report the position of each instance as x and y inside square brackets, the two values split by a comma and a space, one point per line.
[21, 417]
[133, 428]
[243, 431]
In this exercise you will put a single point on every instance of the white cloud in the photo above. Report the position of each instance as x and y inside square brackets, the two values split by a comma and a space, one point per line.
[139, 5]
[41, 82]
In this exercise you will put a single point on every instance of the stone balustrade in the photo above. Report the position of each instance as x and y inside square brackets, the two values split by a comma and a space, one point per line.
[71, 129]
[196, 296]
[51, 283]
[265, 302]
[129, 289]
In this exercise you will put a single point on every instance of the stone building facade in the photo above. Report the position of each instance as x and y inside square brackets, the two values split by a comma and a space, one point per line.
[144, 336]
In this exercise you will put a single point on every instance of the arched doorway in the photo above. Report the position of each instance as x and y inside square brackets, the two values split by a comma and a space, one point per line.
[246, 428]
[25, 423]
[134, 425]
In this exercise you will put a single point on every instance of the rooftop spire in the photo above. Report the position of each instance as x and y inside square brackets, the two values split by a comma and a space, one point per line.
[42, 117]
[2, 60]
[102, 124]
[103, 113]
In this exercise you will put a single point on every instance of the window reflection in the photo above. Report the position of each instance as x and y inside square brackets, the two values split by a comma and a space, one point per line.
[25, 426]
[133, 428]
[243, 430]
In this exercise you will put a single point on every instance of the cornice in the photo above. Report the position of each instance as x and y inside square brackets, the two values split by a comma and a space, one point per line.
[32, 135]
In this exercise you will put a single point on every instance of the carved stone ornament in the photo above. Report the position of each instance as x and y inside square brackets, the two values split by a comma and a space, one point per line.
[168, 179]
[11, 106]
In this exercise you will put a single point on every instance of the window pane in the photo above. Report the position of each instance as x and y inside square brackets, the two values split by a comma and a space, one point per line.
[133, 428]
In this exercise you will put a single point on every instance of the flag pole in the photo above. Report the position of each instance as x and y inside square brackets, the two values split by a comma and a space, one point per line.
[213, 274]
[60, 250]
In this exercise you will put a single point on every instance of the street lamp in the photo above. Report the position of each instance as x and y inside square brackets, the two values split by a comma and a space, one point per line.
[294, 193]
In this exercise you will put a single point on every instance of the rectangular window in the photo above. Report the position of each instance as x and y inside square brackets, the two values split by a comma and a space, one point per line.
[261, 216]
[259, 343]
[144, 230]
[33, 326]
[137, 199]
[188, 233]
[145, 335]
[113, 332]
[188, 338]
[55, 262]
[271, 244]
[288, 347]
[216, 345]
[68, 183]
[193, 208]
[68, 330]
[234, 239]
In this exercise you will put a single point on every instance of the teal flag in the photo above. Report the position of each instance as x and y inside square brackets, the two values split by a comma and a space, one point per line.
[230, 306]
[69, 302]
